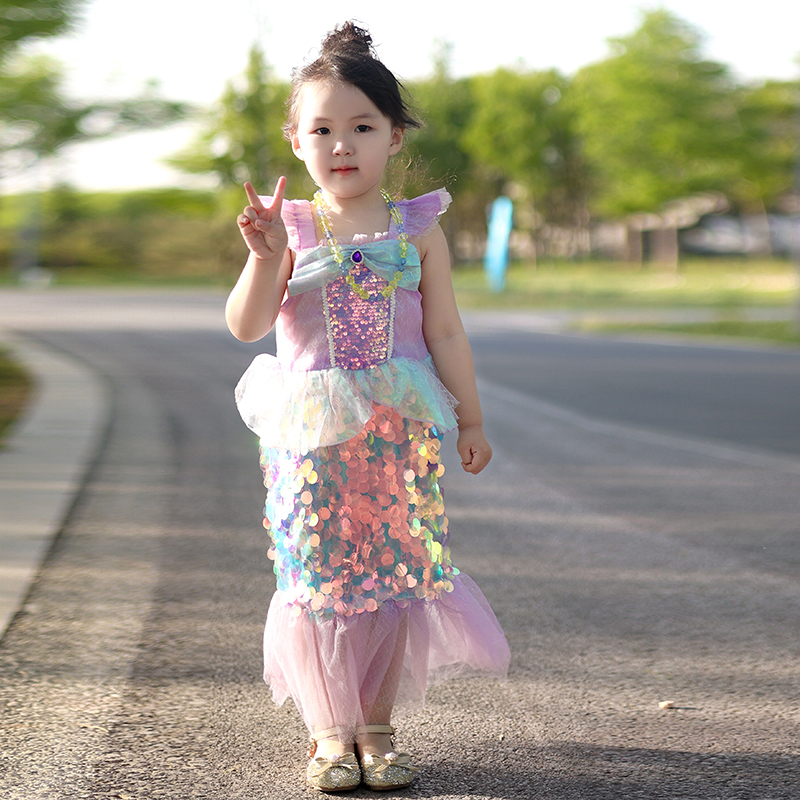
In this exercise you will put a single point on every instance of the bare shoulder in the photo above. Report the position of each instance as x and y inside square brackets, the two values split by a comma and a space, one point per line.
[440, 318]
[434, 253]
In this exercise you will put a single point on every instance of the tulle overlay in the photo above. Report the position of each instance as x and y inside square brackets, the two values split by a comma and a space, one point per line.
[301, 411]
[397, 650]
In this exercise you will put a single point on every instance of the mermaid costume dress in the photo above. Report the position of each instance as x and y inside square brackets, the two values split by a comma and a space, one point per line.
[369, 608]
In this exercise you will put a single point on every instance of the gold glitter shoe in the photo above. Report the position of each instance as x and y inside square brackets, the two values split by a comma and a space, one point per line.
[338, 772]
[390, 771]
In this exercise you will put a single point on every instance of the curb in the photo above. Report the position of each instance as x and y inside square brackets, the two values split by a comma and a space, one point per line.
[44, 462]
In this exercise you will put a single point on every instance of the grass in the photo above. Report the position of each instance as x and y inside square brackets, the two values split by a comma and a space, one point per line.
[723, 289]
[723, 283]
[711, 283]
[777, 332]
[16, 387]
[94, 277]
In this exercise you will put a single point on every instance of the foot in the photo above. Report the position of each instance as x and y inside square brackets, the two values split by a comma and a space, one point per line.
[333, 766]
[375, 744]
[382, 767]
[329, 747]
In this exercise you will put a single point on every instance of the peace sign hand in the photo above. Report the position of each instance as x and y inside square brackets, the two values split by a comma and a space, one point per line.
[262, 228]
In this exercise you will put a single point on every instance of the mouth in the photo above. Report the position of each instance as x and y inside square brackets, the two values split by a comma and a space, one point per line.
[344, 170]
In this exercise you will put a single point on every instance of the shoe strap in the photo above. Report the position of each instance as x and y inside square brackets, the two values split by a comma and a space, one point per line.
[376, 729]
[328, 733]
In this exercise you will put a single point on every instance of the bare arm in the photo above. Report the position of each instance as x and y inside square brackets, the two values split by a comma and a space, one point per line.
[447, 342]
[253, 305]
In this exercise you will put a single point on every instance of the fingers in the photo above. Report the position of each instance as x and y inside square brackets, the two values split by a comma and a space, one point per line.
[475, 452]
[257, 210]
[248, 217]
[277, 199]
[477, 461]
[252, 196]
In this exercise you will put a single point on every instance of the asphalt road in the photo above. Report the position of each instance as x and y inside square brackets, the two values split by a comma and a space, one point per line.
[636, 533]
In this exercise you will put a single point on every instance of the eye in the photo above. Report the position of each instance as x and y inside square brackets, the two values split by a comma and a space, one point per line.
[363, 128]
[322, 131]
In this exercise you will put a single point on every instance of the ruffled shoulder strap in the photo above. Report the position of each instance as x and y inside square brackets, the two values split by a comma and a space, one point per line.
[422, 213]
[299, 220]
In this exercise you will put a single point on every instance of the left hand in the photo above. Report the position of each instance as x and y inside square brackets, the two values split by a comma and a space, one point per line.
[474, 449]
[262, 228]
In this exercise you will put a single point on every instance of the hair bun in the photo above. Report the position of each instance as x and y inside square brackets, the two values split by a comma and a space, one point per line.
[347, 39]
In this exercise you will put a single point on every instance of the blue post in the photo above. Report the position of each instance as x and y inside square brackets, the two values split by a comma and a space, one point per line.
[496, 258]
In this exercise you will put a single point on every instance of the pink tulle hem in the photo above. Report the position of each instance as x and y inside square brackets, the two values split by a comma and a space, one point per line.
[341, 671]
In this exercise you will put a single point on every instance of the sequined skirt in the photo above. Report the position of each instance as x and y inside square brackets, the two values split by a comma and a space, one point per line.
[367, 594]
[356, 524]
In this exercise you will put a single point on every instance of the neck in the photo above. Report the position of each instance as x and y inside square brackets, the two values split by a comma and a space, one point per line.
[367, 213]
[353, 207]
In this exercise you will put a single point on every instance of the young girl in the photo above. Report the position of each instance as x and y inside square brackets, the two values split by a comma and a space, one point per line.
[372, 365]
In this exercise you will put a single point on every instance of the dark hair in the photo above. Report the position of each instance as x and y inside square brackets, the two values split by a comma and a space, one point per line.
[347, 56]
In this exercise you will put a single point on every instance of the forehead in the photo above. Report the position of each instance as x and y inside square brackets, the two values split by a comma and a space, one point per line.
[327, 100]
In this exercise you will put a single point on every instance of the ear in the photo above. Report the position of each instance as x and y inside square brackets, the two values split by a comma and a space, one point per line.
[296, 149]
[397, 140]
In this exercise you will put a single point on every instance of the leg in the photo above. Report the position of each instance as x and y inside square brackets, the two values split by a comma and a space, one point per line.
[377, 703]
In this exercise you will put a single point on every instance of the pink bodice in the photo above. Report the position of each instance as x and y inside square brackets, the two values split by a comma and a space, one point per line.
[339, 352]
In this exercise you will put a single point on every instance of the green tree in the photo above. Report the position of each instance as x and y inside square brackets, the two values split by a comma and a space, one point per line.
[37, 117]
[522, 137]
[658, 120]
[241, 139]
[769, 117]
[436, 154]
[22, 20]
[40, 119]
[446, 105]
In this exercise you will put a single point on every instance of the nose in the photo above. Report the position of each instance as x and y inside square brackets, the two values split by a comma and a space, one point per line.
[343, 147]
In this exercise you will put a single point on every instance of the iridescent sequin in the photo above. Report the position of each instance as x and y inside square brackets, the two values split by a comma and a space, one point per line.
[360, 331]
[357, 524]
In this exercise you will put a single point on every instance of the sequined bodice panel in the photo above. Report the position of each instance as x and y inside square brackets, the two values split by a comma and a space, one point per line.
[360, 330]
[325, 323]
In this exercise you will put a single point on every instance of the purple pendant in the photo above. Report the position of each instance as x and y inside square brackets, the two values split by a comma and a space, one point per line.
[357, 257]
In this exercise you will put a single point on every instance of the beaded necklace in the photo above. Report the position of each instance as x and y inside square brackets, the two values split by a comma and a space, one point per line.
[357, 257]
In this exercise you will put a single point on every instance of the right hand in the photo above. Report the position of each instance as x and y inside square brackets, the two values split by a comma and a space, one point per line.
[262, 228]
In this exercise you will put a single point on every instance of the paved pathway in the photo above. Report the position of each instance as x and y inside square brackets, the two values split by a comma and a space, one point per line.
[628, 564]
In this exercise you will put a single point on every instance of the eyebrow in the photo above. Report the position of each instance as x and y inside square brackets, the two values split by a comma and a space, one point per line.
[366, 115]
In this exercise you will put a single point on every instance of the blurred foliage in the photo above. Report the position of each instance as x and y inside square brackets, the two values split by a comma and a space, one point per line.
[446, 106]
[726, 284]
[769, 115]
[437, 154]
[653, 123]
[157, 235]
[241, 138]
[40, 120]
[658, 121]
[537, 150]
[22, 20]
[16, 387]
[37, 119]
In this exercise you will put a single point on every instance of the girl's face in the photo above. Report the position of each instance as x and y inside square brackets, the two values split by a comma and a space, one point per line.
[344, 140]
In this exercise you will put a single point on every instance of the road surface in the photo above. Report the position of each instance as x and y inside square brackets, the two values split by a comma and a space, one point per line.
[636, 533]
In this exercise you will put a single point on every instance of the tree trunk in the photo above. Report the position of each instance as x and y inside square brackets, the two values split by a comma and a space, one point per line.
[633, 245]
[665, 246]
